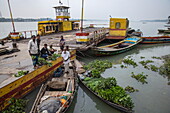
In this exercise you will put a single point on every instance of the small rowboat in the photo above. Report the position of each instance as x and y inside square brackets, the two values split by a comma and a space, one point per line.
[119, 47]
[114, 105]
[57, 94]
[158, 39]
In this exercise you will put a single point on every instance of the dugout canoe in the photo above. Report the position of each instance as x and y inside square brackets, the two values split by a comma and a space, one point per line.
[80, 70]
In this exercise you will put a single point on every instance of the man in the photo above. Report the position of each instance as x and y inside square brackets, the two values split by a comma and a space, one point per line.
[45, 52]
[62, 43]
[33, 50]
[66, 56]
[38, 43]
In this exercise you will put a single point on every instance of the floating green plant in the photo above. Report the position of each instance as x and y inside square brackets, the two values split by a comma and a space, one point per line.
[131, 89]
[142, 57]
[154, 68]
[122, 66]
[165, 68]
[154, 57]
[130, 61]
[146, 62]
[97, 67]
[140, 77]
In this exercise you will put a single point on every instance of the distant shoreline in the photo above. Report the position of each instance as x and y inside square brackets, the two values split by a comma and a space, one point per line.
[46, 19]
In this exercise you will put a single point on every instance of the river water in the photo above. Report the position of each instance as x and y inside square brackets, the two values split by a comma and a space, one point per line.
[151, 98]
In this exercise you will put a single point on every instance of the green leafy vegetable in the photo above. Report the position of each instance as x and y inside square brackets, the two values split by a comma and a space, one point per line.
[17, 106]
[54, 56]
[21, 73]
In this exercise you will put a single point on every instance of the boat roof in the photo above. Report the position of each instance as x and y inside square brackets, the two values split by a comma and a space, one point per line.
[61, 7]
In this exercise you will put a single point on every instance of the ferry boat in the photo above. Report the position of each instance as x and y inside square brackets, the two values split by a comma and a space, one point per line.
[61, 24]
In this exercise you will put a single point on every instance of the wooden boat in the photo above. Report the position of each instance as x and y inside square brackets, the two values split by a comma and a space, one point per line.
[118, 47]
[158, 39]
[114, 105]
[57, 93]
[20, 86]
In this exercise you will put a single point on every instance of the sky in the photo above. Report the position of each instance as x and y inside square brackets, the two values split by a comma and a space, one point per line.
[93, 9]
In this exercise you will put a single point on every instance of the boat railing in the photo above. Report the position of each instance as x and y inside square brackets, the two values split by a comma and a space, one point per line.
[29, 33]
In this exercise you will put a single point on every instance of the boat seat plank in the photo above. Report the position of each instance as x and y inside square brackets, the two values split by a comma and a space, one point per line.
[54, 93]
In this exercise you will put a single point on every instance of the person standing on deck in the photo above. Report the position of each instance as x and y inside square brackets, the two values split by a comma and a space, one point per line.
[38, 43]
[33, 50]
[62, 43]
[66, 57]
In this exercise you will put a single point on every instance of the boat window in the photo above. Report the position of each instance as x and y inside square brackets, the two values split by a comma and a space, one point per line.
[118, 25]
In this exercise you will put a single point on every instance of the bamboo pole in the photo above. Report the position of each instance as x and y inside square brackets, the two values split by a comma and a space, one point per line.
[82, 14]
[11, 17]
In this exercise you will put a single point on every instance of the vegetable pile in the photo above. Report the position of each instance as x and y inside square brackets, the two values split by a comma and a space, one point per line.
[108, 89]
[17, 106]
[54, 56]
[42, 61]
[20, 73]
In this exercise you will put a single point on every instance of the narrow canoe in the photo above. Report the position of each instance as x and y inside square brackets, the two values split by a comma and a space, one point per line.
[154, 40]
[116, 48]
[61, 90]
[114, 105]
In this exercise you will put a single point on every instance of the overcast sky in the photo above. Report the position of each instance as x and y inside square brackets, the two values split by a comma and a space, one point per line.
[94, 9]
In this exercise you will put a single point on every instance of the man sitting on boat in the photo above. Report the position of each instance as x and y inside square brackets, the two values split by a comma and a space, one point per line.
[66, 56]
[45, 52]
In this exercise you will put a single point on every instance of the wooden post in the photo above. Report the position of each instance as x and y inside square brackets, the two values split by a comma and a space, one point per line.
[25, 34]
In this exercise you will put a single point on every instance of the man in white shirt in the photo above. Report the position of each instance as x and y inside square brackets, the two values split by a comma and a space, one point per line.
[66, 56]
[33, 50]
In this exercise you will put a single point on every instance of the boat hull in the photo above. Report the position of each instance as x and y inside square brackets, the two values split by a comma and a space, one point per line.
[25, 84]
[108, 53]
[155, 40]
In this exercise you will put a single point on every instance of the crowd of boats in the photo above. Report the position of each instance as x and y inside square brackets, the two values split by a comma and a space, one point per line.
[57, 93]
